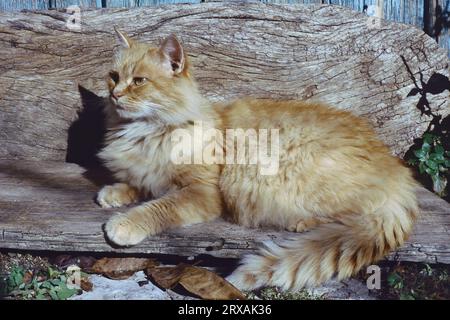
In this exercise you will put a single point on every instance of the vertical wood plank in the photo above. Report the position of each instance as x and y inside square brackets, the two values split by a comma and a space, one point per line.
[428, 13]
[442, 35]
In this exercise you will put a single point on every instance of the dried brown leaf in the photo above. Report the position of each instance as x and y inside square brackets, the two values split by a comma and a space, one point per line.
[208, 285]
[86, 285]
[121, 268]
[166, 277]
[202, 282]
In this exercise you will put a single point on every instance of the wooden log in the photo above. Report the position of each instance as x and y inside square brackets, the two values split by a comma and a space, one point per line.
[50, 206]
[316, 52]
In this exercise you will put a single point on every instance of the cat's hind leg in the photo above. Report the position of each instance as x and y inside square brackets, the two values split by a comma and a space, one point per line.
[117, 195]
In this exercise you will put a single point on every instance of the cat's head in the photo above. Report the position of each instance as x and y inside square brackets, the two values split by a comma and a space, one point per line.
[153, 82]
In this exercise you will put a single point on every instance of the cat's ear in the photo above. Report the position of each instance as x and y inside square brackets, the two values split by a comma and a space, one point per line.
[174, 53]
[124, 40]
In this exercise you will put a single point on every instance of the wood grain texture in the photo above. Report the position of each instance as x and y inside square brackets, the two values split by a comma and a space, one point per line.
[316, 52]
[50, 206]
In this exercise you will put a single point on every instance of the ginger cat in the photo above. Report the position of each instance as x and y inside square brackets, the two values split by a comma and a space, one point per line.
[334, 176]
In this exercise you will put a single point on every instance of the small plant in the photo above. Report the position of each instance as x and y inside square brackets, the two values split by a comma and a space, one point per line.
[428, 271]
[416, 281]
[51, 284]
[432, 156]
[432, 159]
[395, 281]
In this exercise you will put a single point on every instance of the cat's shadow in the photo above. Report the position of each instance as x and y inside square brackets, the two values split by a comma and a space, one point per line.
[85, 139]
[86, 136]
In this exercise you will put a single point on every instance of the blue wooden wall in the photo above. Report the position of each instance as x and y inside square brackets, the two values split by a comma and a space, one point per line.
[13, 5]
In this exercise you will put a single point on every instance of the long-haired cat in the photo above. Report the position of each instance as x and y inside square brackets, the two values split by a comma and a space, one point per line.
[336, 184]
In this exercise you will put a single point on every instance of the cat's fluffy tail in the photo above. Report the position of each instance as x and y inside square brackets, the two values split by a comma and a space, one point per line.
[340, 249]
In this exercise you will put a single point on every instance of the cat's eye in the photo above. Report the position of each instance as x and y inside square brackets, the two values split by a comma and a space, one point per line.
[139, 81]
[114, 76]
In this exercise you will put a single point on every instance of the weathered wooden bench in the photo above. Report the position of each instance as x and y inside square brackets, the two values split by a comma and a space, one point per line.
[52, 88]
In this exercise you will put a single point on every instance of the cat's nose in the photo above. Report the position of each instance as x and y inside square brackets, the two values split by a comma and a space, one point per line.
[116, 95]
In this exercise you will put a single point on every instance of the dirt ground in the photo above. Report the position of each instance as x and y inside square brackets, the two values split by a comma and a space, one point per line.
[399, 280]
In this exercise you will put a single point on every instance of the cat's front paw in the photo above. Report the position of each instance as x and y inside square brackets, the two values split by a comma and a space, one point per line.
[117, 195]
[121, 230]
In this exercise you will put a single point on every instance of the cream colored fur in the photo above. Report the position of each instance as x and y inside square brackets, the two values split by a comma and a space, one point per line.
[335, 178]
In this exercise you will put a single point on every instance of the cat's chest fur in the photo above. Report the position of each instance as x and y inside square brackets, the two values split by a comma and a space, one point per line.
[139, 154]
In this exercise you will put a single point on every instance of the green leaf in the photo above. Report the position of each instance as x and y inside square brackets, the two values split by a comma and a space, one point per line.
[439, 150]
[15, 278]
[56, 282]
[46, 284]
[43, 291]
[52, 273]
[437, 157]
[439, 184]
[66, 293]
[447, 163]
[40, 296]
[422, 167]
[53, 294]
[426, 147]
[432, 165]
[420, 154]
[393, 279]
[430, 171]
